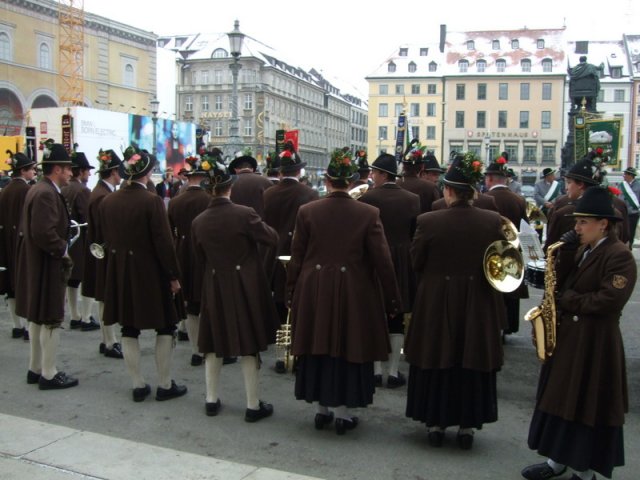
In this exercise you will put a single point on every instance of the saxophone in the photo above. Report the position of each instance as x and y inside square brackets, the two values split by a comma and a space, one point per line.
[543, 317]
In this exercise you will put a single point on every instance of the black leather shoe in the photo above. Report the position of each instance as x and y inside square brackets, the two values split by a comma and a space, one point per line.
[168, 393]
[196, 360]
[114, 352]
[183, 336]
[343, 424]
[464, 440]
[25, 335]
[139, 394]
[436, 438]
[280, 368]
[395, 382]
[75, 324]
[377, 379]
[229, 360]
[102, 348]
[321, 420]
[540, 471]
[264, 410]
[17, 332]
[59, 381]
[90, 326]
[212, 408]
[32, 377]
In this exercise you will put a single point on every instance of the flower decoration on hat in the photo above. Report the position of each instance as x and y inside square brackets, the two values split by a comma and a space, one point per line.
[104, 159]
[271, 157]
[10, 161]
[135, 161]
[209, 159]
[45, 146]
[470, 166]
[288, 155]
[341, 164]
[601, 156]
[191, 163]
[415, 152]
[613, 191]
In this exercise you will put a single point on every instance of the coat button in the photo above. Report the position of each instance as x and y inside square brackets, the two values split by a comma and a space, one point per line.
[213, 271]
[446, 277]
[343, 269]
[130, 252]
[290, 234]
[182, 237]
[237, 267]
[575, 318]
[318, 267]
[113, 251]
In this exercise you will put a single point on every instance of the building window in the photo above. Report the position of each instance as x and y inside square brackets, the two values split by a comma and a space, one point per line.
[433, 66]
[502, 119]
[546, 91]
[129, 75]
[524, 119]
[398, 109]
[188, 103]
[248, 130]
[415, 89]
[412, 67]
[414, 108]
[526, 65]
[45, 57]
[459, 119]
[529, 154]
[217, 77]
[546, 120]
[205, 77]
[463, 66]
[481, 66]
[481, 119]
[404, 52]
[431, 132]
[495, 45]
[431, 109]
[391, 67]
[524, 91]
[382, 133]
[515, 44]
[512, 151]
[548, 154]
[217, 128]
[424, 52]
[471, 45]
[460, 91]
[205, 103]
[219, 53]
[217, 102]
[540, 44]
[383, 110]
[194, 78]
[618, 95]
[503, 91]
[431, 89]
[383, 89]
[547, 65]
[600, 97]
[501, 65]
[248, 101]
[482, 91]
[400, 89]
[415, 132]
[5, 46]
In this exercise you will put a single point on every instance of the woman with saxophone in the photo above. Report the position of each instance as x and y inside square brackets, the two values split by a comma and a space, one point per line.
[582, 391]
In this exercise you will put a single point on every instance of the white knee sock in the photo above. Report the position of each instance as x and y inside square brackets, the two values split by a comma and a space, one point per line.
[35, 358]
[377, 368]
[18, 322]
[212, 365]
[72, 300]
[249, 366]
[342, 412]
[322, 409]
[586, 475]
[87, 306]
[396, 340]
[164, 349]
[101, 321]
[556, 467]
[193, 324]
[131, 353]
[49, 341]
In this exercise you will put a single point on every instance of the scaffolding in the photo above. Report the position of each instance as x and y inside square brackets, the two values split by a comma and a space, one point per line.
[71, 52]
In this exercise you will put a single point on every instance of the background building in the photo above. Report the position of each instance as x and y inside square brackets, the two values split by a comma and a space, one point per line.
[632, 48]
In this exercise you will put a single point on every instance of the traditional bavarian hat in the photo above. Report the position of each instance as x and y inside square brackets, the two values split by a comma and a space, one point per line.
[595, 202]
[464, 172]
[386, 163]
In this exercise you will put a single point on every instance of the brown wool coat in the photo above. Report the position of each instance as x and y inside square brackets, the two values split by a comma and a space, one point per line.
[182, 211]
[427, 191]
[281, 204]
[399, 209]
[11, 205]
[457, 316]
[587, 380]
[42, 244]
[141, 260]
[77, 196]
[483, 201]
[342, 281]
[237, 314]
[94, 269]
[248, 190]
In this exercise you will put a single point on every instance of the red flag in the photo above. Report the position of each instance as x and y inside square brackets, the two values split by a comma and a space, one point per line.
[292, 135]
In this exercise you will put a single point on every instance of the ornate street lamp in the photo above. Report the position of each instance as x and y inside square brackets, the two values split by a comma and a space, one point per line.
[235, 43]
[487, 145]
[155, 105]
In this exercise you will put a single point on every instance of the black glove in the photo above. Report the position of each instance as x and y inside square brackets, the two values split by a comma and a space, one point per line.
[570, 237]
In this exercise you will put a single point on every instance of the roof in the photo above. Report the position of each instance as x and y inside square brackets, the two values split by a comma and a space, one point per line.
[610, 53]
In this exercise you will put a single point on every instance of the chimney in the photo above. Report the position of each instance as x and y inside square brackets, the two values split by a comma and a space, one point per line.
[443, 37]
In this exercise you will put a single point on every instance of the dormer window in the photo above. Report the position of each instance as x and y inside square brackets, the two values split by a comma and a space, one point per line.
[481, 65]
[526, 65]
[540, 44]
[501, 65]
[433, 66]
[463, 66]
[616, 72]
[424, 52]
[404, 52]
[412, 67]
[391, 68]
[547, 65]
[515, 44]
[495, 44]
[471, 45]
[219, 53]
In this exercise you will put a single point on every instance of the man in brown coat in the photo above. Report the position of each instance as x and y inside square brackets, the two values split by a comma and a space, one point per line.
[249, 187]
[23, 170]
[399, 209]
[412, 164]
[95, 269]
[77, 196]
[142, 273]
[43, 264]
[238, 317]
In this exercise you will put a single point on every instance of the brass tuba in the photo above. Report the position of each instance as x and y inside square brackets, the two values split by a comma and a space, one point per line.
[503, 266]
[535, 214]
[510, 231]
[357, 192]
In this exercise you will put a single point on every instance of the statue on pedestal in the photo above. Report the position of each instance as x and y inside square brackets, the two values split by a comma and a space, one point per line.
[584, 82]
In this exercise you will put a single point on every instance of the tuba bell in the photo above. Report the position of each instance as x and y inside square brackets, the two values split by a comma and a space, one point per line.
[535, 214]
[510, 231]
[97, 250]
[357, 192]
[503, 266]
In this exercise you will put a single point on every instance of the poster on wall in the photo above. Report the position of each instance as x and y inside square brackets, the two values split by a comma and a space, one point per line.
[174, 140]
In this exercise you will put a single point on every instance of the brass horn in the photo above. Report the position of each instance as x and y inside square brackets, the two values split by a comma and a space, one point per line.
[283, 335]
[510, 232]
[77, 226]
[357, 192]
[97, 250]
[503, 266]
[535, 214]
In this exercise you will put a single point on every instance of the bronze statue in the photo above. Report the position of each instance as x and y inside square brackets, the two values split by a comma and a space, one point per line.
[584, 82]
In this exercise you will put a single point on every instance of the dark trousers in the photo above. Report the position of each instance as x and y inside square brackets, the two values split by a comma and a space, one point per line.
[633, 223]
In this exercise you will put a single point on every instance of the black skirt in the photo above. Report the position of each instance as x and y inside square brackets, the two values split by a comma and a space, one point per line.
[334, 382]
[453, 396]
[578, 446]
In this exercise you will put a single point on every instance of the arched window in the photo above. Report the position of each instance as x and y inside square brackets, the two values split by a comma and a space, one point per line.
[5, 46]
[471, 45]
[547, 65]
[463, 66]
[129, 76]
[481, 65]
[219, 53]
[412, 67]
[45, 56]
[391, 68]
[515, 43]
[526, 65]
[433, 66]
[501, 65]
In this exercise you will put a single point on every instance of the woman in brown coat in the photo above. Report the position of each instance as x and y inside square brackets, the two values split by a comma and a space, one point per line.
[339, 260]
[454, 340]
[582, 392]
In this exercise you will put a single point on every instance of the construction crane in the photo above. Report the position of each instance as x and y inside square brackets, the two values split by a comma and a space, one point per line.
[71, 52]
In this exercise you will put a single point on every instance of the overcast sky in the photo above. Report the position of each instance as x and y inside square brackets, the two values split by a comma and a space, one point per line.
[350, 39]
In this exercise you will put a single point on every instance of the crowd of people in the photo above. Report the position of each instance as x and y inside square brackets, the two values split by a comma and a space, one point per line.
[389, 262]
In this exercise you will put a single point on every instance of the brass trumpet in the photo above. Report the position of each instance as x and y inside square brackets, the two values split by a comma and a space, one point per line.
[283, 335]
[503, 266]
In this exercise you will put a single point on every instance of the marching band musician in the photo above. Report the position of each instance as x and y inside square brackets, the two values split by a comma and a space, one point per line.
[94, 269]
[399, 209]
[364, 170]
[238, 316]
[431, 170]
[453, 343]
[272, 167]
[182, 210]
[249, 187]
[412, 163]
[341, 282]
[546, 190]
[23, 170]
[42, 256]
[77, 194]
[630, 195]
[142, 273]
[582, 391]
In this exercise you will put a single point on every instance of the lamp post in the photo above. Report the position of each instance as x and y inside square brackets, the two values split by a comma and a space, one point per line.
[155, 104]
[487, 146]
[235, 43]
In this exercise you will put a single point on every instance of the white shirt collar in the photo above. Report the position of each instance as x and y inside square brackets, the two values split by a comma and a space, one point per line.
[111, 187]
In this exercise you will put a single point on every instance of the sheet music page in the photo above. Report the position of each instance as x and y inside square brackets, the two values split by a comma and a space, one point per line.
[530, 244]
